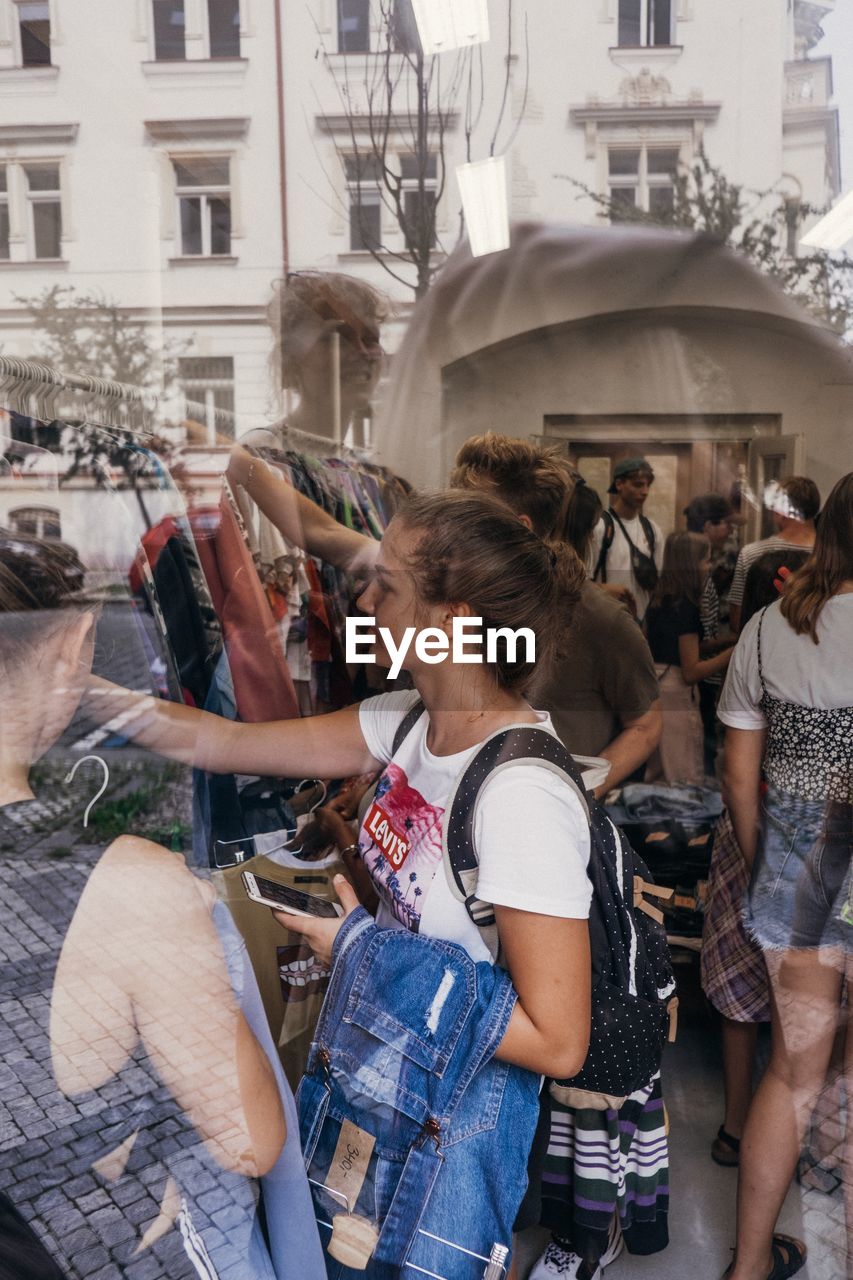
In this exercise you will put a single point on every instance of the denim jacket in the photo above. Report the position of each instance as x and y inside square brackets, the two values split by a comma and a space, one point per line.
[404, 1050]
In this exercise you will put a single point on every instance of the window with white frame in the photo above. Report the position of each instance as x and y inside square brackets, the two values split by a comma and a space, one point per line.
[419, 175]
[44, 210]
[207, 383]
[641, 179]
[353, 26]
[169, 30]
[203, 189]
[4, 213]
[646, 23]
[34, 33]
[365, 202]
[223, 28]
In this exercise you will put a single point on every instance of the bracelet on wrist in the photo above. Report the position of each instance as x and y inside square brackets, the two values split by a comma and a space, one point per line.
[350, 848]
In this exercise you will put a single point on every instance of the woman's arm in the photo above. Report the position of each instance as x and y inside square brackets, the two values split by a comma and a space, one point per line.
[694, 668]
[549, 963]
[142, 960]
[743, 757]
[299, 519]
[331, 746]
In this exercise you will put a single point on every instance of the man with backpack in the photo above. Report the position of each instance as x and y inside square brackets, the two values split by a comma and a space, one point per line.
[627, 547]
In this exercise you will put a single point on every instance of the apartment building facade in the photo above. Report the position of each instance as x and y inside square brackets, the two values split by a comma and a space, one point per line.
[140, 163]
[176, 156]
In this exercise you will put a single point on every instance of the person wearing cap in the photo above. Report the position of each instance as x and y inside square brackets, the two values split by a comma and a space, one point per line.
[627, 547]
[794, 505]
[713, 516]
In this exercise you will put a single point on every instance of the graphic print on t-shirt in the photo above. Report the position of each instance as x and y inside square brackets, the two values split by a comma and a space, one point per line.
[400, 843]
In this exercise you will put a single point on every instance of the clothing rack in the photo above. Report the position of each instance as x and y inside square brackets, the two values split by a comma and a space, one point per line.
[33, 381]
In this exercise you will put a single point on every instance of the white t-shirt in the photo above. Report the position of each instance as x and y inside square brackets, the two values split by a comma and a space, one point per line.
[530, 830]
[795, 668]
[619, 568]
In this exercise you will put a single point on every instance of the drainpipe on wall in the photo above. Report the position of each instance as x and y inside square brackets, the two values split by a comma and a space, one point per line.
[282, 145]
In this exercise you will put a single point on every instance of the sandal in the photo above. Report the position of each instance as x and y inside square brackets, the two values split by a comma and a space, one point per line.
[725, 1150]
[788, 1255]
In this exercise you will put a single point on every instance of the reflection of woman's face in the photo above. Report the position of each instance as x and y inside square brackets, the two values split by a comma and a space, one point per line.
[361, 363]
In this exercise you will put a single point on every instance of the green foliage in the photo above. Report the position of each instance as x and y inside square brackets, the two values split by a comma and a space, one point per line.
[763, 226]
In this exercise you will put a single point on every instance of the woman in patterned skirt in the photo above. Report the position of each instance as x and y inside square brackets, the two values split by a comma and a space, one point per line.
[788, 708]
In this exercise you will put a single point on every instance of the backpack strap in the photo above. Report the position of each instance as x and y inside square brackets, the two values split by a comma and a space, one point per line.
[406, 725]
[758, 646]
[504, 749]
[600, 572]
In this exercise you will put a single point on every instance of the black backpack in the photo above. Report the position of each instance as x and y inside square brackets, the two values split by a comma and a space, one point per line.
[633, 986]
[643, 565]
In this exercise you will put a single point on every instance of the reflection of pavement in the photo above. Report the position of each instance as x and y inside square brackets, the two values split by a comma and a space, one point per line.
[47, 1142]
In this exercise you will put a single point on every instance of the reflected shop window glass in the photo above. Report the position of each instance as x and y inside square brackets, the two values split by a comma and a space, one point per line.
[273, 275]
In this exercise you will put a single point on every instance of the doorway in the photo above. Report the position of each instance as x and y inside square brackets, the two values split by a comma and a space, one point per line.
[690, 454]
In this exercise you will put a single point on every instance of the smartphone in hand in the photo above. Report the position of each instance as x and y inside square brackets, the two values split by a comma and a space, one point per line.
[282, 897]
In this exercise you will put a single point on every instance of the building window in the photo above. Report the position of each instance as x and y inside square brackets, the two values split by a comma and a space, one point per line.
[34, 28]
[365, 202]
[4, 214]
[169, 30]
[223, 28]
[642, 179]
[203, 189]
[208, 386]
[353, 26]
[419, 206]
[38, 522]
[645, 23]
[45, 210]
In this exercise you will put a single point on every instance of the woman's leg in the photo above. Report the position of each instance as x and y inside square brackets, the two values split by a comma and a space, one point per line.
[805, 996]
[847, 1142]
[739, 1044]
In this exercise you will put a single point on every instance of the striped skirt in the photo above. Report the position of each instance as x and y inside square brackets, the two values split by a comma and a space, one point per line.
[601, 1162]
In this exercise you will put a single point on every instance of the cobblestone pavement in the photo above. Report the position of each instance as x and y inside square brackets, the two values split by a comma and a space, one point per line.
[92, 1223]
[92, 1219]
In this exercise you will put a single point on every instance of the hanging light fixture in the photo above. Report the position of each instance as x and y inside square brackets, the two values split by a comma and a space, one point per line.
[451, 24]
[835, 229]
[482, 185]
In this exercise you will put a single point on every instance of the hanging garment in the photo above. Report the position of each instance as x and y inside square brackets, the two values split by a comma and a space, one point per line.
[262, 683]
[601, 1162]
[403, 1059]
[292, 983]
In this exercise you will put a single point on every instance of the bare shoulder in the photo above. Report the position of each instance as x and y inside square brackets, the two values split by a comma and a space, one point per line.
[139, 865]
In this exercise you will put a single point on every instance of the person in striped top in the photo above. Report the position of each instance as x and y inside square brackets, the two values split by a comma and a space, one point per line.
[794, 504]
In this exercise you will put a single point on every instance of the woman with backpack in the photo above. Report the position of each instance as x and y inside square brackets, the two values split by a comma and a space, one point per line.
[674, 632]
[788, 708]
[444, 559]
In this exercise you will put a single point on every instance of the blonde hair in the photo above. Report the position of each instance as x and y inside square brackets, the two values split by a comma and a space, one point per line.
[534, 480]
[303, 304]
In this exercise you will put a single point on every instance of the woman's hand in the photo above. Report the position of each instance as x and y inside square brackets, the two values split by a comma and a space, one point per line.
[320, 933]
